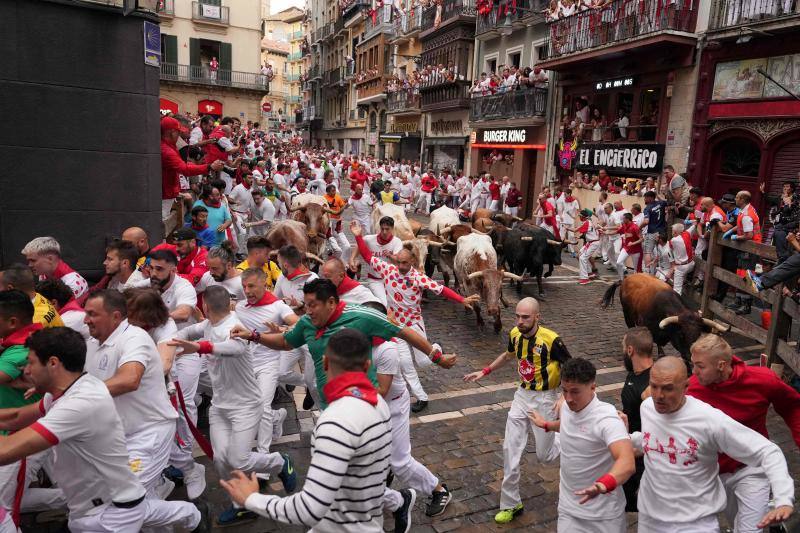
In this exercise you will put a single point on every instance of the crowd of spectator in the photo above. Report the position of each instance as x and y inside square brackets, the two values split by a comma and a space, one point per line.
[510, 79]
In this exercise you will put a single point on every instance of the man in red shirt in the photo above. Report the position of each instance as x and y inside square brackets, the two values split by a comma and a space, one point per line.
[513, 200]
[494, 192]
[547, 216]
[631, 245]
[172, 164]
[745, 394]
[191, 258]
[427, 186]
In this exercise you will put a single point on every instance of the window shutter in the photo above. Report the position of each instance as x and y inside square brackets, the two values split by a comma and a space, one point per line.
[169, 48]
[225, 62]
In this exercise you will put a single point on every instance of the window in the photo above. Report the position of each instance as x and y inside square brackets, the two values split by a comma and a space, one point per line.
[491, 65]
[541, 52]
[648, 114]
[740, 157]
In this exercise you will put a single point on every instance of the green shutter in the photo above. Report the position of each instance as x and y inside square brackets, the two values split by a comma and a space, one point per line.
[211, 2]
[169, 48]
[194, 58]
[225, 62]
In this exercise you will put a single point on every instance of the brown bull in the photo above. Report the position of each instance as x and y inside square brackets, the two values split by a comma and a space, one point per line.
[311, 210]
[292, 232]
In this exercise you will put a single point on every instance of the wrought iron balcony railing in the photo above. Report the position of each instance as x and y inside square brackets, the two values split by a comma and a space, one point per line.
[381, 24]
[221, 78]
[443, 96]
[616, 23]
[438, 15]
[202, 12]
[516, 13]
[403, 100]
[520, 103]
[731, 13]
[165, 8]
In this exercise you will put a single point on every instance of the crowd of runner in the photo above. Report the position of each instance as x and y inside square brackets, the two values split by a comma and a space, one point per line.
[100, 384]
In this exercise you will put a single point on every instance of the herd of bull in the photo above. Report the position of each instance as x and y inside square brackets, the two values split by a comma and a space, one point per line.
[479, 254]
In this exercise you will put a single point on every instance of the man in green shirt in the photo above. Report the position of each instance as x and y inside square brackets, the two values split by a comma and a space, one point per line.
[325, 315]
[16, 324]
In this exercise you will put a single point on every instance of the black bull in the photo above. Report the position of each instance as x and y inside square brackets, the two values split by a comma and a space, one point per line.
[529, 248]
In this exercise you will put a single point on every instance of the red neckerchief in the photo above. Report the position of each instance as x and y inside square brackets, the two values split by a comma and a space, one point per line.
[333, 318]
[570, 199]
[299, 271]
[347, 285]
[377, 341]
[216, 204]
[246, 185]
[355, 196]
[267, 299]
[301, 190]
[71, 305]
[62, 269]
[620, 209]
[355, 384]
[199, 228]
[383, 242]
[19, 337]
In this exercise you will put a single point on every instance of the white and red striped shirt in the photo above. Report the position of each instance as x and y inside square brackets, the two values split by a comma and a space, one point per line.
[682, 251]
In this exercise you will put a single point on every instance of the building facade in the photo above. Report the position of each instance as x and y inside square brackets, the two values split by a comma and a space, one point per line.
[211, 58]
[285, 33]
[276, 110]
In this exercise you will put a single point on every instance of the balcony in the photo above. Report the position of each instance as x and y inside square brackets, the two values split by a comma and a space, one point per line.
[292, 77]
[198, 75]
[337, 76]
[321, 33]
[294, 99]
[351, 7]
[371, 90]
[210, 14]
[445, 96]
[166, 8]
[295, 56]
[297, 35]
[338, 26]
[488, 26]
[617, 28]
[403, 101]
[732, 14]
[521, 103]
[451, 11]
[406, 27]
[315, 73]
[382, 24]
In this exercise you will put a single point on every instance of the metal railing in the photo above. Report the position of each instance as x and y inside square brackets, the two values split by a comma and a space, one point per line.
[730, 13]
[436, 78]
[294, 99]
[297, 34]
[383, 23]
[166, 8]
[210, 13]
[520, 103]
[294, 56]
[452, 95]
[292, 77]
[314, 72]
[204, 76]
[338, 25]
[435, 16]
[617, 22]
[404, 24]
[349, 7]
[494, 19]
[403, 100]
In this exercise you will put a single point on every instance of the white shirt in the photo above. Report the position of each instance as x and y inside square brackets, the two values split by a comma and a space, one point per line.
[230, 365]
[232, 284]
[165, 332]
[679, 254]
[180, 292]
[91, 459]
[136, 279]
[74, 319]
[681, 459]
[585, 438]
[255, 317]
[358, 295]
[638, 219]
[243, 198]
[381, 251]
[195, 136]
[362, 207]
[615, 220]
[287, 288]
[406, 190]
[265, 211]
[386, 359]
[148, 405]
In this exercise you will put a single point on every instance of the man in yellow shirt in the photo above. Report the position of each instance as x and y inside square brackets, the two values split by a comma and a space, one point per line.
[20, 277]
[258, 250]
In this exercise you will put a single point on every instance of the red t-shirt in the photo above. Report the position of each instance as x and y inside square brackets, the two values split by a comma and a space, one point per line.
[633, 230]
[429, 184]
[494, 190]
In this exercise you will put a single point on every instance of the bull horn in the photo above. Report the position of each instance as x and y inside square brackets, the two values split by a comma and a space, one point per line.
[408, 241]
[510, 275]
[517, 219]
[554, 243]
[298, 208]
[434, 243]
[478, 232]
[309, 255]
[715, 325]
[446, 230]
[526, 238]
[667, 321]
[476, 274]
[448, 241]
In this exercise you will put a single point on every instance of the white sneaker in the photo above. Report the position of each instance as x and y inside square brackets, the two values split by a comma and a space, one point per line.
[195, 481]
[165, 488]
[277, 423]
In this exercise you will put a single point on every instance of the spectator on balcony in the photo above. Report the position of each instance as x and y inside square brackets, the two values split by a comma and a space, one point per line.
[622, 122]
[598, 124]
[213, 66]
[582, 110]
[539, 77]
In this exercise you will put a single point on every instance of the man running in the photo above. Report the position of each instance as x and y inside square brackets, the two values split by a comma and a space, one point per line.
[539, 353]
[44, 257]
[383, 244]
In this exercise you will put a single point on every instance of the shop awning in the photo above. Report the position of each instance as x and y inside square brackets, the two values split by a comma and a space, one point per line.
[167, 105]
[391, 138]
[209, 107]
[446, 141]
[511, 146]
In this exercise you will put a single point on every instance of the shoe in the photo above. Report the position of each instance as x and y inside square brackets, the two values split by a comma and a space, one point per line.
[308, 401]
[754, 281]
[507, 515]
[288, 476]
[233, 516]
[277, 423]
[205, 523]
[165, 488]
[584, 281]
[195, 481]
[173, 474]
[439, 501]
[402, 516]
[419, 405]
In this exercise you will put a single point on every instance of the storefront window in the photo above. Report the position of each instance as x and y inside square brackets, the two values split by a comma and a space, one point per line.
[648, 114]
[740, 157]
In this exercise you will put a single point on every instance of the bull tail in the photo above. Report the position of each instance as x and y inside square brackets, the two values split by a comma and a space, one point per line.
[608, 297]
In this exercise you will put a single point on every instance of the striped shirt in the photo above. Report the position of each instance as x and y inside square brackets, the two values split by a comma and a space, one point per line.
[350, 451]
[539, 358]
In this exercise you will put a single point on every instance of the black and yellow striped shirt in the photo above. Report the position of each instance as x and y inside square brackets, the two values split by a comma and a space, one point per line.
[539, 358]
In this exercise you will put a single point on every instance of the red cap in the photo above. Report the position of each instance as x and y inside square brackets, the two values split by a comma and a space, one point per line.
[169, 124]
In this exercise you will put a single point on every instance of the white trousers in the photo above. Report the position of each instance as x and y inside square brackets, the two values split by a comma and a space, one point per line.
[748, 498]
[166, 208]
[409, 372]
[33, 499]
[475, 203]
[587, 252]
[377, 288]
[267, 375]
[6, 524]
[424, 202]
[518, 427]
[511, 211]
[622, 257]
[572, 524]
[232, 433]
[149, 453]
[680, 274]
[340, 245]
[305, 378]
[708, 524]
[186, 371]
[406, 469]
[494, 206]
[151, 513]
[366, 224]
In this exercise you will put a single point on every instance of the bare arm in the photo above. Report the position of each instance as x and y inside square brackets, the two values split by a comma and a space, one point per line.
[621, 470]
[19, 417]
[126, 379]
[384, 384]
[21, 444]
[421, 343]
[499, 361]
[182, 313]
